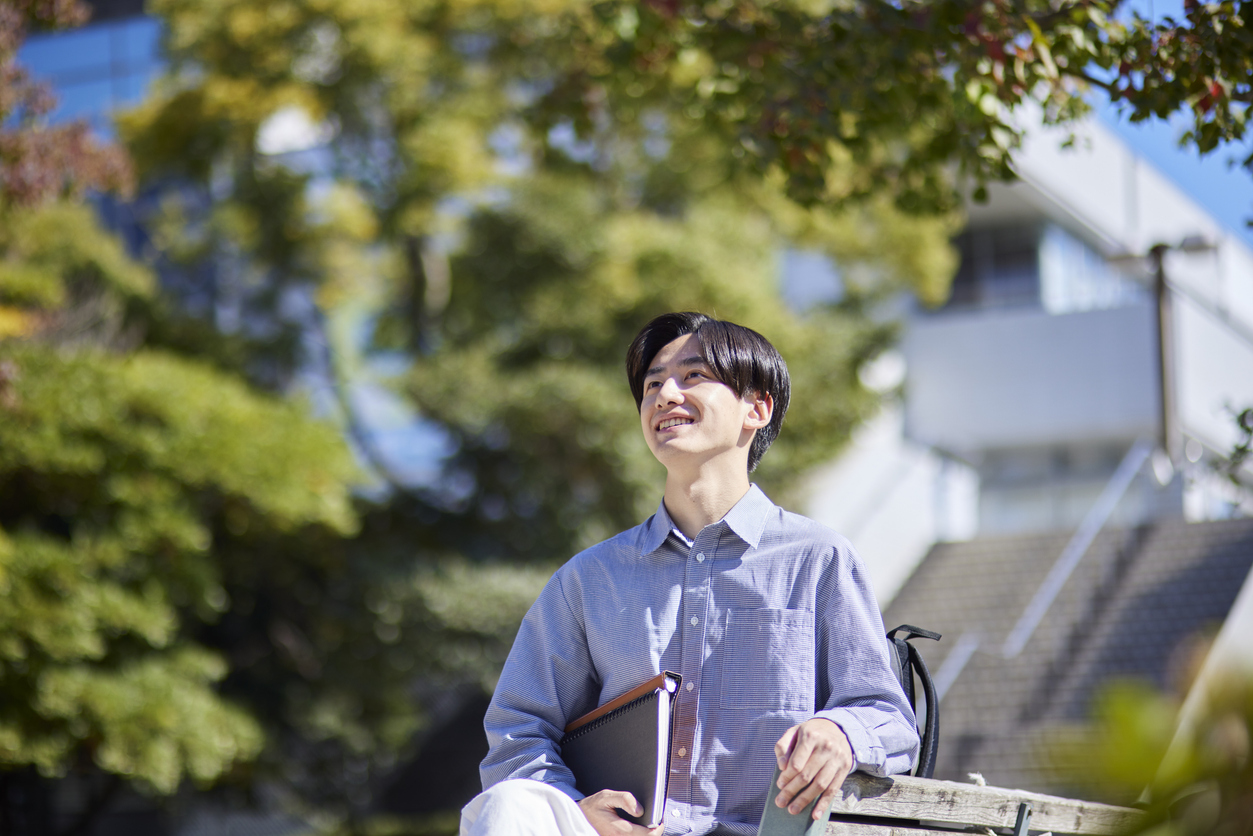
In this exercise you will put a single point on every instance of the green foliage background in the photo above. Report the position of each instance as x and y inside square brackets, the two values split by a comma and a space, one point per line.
[119, 461]
[193, 588]
[1197, 781]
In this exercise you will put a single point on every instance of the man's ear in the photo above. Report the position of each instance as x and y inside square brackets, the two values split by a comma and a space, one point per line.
[762, 410]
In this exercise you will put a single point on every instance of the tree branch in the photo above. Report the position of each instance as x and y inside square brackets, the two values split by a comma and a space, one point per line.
[1084, 76]
[360, 434]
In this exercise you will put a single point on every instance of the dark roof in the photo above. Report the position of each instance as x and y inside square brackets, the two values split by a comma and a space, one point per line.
[1133, 607]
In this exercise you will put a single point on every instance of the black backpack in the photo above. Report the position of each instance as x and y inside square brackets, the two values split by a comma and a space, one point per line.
[908, 663]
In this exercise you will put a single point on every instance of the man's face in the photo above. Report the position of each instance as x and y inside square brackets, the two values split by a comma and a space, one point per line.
[687, 413]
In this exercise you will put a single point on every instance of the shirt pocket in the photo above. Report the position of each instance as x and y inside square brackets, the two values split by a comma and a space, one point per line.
[768, 660]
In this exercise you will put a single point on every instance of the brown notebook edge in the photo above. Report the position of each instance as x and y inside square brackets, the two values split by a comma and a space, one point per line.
[658, 681]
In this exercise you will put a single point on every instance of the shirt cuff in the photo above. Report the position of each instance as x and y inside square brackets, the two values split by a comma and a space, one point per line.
[868, 754]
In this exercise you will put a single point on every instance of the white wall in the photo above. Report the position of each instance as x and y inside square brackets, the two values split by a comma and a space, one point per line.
[1215, 374]
[1023, 377]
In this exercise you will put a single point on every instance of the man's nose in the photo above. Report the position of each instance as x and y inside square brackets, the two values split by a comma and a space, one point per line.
[670, 391]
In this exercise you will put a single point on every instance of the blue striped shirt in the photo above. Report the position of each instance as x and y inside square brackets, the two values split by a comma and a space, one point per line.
[767, 616]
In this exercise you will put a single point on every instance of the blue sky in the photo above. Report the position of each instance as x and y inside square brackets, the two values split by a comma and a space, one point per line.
[1225, 191]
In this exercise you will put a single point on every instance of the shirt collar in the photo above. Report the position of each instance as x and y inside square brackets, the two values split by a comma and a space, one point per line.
[746, 519]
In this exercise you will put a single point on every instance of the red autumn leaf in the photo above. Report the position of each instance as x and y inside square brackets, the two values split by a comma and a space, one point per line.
[972, 24]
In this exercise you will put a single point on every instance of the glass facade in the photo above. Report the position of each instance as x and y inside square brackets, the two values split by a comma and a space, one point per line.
[97, 69]
[1036, 264]
[1074, 277]
[999, 267]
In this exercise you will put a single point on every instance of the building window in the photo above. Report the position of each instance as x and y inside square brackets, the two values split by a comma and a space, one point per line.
[1074, 277]
[97, 69]
[1000, 267]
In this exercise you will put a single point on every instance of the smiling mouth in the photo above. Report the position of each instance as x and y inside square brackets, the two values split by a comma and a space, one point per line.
[672, 422]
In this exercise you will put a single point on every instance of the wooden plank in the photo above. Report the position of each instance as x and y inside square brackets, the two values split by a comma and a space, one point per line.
[924, 799]
[842, 828]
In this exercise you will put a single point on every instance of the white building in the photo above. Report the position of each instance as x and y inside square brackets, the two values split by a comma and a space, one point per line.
[1024, 393]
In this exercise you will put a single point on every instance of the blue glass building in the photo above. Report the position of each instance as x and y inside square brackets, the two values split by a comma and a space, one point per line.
[99, 68]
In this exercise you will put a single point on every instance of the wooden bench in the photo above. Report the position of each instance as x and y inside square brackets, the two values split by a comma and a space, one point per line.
[907, 806]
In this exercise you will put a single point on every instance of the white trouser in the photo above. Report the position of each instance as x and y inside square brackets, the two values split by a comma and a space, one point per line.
[523, 807]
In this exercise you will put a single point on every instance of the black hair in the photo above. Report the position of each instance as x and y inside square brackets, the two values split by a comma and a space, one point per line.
[739, 357]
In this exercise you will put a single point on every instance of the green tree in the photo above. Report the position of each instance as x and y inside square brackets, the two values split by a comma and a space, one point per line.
[918, 97]
[504, 191]
[166, 527]
[191, 591]
[549, 288]
[511, 261]
[510, 264]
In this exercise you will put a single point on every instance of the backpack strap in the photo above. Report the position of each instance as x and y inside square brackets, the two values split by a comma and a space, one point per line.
[909, 663]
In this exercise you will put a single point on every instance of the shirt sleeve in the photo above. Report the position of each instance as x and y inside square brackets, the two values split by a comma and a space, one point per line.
[548, 678]
[865, 698]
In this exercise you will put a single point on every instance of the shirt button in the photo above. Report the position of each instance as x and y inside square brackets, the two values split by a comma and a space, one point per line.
[690, 686]
[695, 621]
[683, 752]
[700, 558]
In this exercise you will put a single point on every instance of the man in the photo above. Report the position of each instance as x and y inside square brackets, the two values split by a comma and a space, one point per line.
[765, 614]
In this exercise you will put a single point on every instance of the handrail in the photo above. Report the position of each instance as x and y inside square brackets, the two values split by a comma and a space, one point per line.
[955, 662]
[1075, 549]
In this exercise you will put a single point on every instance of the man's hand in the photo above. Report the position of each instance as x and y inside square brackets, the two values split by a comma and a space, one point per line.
[601, 813]
[815, 758]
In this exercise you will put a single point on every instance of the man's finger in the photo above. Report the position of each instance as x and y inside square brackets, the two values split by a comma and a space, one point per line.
[802, 748]
[797, 746]
[602, 807]
[802, 791]
[783, 749]
[801, 751]
[616, 799]
[819, 760]
[824, 800]
[601, 810]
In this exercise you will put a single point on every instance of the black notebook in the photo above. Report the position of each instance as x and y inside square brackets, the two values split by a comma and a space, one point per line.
[625, 745]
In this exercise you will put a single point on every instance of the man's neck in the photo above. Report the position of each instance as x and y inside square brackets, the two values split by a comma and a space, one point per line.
[697, 500]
